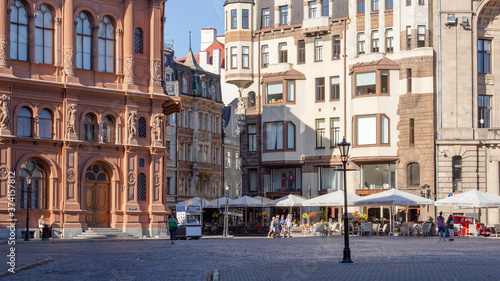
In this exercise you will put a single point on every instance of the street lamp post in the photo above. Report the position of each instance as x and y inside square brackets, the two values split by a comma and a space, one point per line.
[226, 221]
[344, 154]
[27, 234]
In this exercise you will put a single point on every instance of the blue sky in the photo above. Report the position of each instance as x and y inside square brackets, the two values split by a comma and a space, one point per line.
[183, 16]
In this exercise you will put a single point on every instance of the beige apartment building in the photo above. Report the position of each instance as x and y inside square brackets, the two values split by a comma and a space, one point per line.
[313, 72]
[82, 112]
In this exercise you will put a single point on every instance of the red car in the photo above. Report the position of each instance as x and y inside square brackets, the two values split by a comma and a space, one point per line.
[466, 221]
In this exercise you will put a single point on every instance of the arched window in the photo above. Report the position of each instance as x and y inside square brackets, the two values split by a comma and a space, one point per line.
[107, 45]
[108, 129]
[139, 40]
[83, 41]
[251, 99]
[142, 127]
[96, 172]
[44, 35]
[361, 43]
[414, 175]
[141, 187]
[38, 185]
[89, 128]
[18, 31]
[45, 124]
[24, 121]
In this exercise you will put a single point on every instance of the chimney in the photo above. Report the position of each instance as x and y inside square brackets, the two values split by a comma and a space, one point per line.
[208, 36]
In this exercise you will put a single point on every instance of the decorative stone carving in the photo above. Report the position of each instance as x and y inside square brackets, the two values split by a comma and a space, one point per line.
[70, 175]
[131, 178]
[240, 116]
[157, 179]
[156, 73]
[132, 125]
[156, 128]
[69, 56]
[3, 51]
[155, 3]
[4, 111]
[128, 70]
[3, 172]
[71, 123]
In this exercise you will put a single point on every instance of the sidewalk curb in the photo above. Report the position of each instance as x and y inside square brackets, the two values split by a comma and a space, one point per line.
[25, 267]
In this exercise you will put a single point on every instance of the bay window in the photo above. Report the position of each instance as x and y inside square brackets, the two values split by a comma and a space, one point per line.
[279, 133]
[378, 176]
[372, 130]
[274, 92]
[366, 83]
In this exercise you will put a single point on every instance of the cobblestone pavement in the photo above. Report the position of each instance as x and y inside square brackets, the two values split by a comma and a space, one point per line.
[298, 258]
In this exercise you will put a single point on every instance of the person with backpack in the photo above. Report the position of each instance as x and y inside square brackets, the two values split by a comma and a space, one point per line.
[450, 223]
[441, 226]
[172, 226]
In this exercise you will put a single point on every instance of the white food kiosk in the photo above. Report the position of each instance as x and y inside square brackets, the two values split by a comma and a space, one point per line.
[189, 215]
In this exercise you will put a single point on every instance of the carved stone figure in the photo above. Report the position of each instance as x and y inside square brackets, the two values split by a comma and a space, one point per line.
[128, 70]
[132, 125]
[68, 61]
[71, 123]
[4, 111]
[156, 129]
[240, 116]
[3, 51]
[156, 73]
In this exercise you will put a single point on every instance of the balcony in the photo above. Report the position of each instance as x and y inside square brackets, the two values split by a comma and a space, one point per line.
[316, 25]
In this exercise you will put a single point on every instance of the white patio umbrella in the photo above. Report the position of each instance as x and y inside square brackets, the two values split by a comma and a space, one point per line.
[194, 201]
[393, 197]
[471, 199]
[245, 201]
[287, 201]
[219, 202]
[333, 199]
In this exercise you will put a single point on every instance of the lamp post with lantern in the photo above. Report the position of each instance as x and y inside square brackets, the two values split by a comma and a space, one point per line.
[344, 156]
[226, 219]
[28, 183]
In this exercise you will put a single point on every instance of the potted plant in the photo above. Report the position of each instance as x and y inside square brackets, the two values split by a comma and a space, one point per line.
[363, 217]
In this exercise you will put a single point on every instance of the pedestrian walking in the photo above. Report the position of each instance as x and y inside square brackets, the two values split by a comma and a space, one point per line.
[441, 226]
[282, 225]
[277, 227]
[288, 225]
[271, 228]
[451, 224]
[172, 226]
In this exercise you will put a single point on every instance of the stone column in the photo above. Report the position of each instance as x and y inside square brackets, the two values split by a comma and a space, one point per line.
[68, 41]
[128, 43]
[3, 34]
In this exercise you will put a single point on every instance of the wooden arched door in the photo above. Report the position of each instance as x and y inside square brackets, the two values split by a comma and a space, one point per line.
[97, 196]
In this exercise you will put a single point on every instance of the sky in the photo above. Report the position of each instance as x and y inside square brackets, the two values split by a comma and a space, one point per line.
[183, 16]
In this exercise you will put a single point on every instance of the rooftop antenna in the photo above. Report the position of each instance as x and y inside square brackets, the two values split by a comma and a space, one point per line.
[190, 40]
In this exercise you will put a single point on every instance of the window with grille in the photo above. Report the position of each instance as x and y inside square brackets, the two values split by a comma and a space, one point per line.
[457, 173]
[141, 187]
[37, 197]
[142, 127]
[139, 40]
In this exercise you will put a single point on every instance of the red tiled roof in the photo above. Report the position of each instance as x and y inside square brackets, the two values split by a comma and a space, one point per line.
[216, 45]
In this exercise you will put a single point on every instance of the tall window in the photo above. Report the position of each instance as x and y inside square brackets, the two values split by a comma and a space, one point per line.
[320, 133]
[83, 41]
[421, 36]
[389, 41]
[375, 41]
[227, 163]
[334, 88]
[244, 57]
[325, 11]
[141, 187]
[252, 180]
[414, 175]
[290, 131]
[237, 160]
[181, 118]
[290, 91]
[45, 124]
[234, 19]
[484, 104]
[412, 132]
[372, 129]
[361, 43]
[252, 137]
[313, 9]
[217, 124]
[301, 51]
[234, 57]
[18, 31]
[389, 4]
[457, 173]
[318, 49]
[334, 131]
[244, 18]
[283, 52]
[251, 99]
[283, 15]
[483, 56]
[265, 17]
[107, 45]
[108, 129]
[182, 155]
[44, 35]
[361, 6]
[331, 178]
[265, 56]
[139, 40]
[336, 47]
[38, 185]
[408, 37]
[375, 5]
[24, 121]
[142, 125]
[90, 128]
[320, 89]
[184, 85]
[274, 136]
[408, 80]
